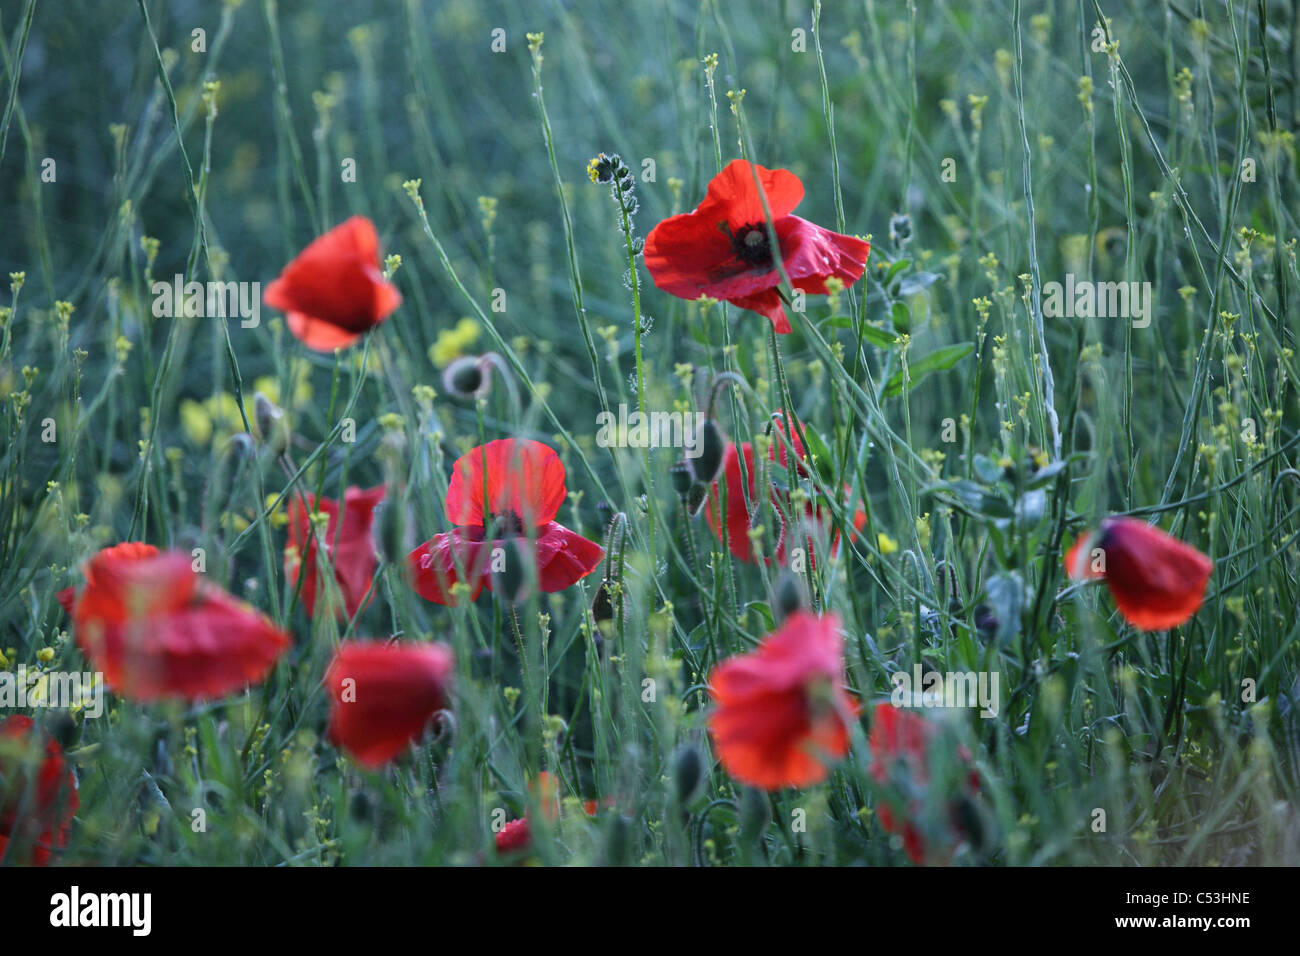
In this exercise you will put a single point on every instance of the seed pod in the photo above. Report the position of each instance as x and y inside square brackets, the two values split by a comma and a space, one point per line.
[272, 426]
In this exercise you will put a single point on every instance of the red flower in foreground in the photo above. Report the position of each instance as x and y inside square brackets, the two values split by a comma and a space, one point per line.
[783, 713]
[127, 549]
[382, 696]
[514, 837]
[900, 749]
[498, 492]
[334, 291]
[744, 510]
[38, 794]
[156, 629]
[350, 549]
[723, 248]
[1157, 581]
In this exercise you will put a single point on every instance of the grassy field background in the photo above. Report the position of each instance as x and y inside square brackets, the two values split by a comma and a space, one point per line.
[985, 149]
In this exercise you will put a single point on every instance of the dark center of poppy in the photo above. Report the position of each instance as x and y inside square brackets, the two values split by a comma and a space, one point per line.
[505, 524]
[751, 245]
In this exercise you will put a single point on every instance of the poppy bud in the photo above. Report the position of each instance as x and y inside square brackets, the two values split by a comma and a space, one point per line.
[688, 772]
[682, 479]
[789, 595]
[361, 807]
[465, 377]
[390, 531]
[696, 498]
[755, 813]
[272, 426]
[711, 447]
[602, 605]
[604, 512]
[986, 622]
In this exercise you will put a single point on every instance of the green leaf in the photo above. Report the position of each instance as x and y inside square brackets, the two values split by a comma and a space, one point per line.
[938, 360]
[1006, 596]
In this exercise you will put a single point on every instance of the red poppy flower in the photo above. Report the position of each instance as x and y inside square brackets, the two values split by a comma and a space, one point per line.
[156, 629]
[382, 696]
[900, 749]
[723, 248]
[1157, 581]
[498, 492]
[514, 837]
[743, 507]
[782, 711]
[127, 549]
[350, 549]
[38, 794]
[335, 291]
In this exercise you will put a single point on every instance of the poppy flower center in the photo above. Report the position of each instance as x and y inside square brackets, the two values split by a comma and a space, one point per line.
[506, 524]
[751, 245]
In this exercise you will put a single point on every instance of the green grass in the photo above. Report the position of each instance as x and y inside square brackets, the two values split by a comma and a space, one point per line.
[1111, 165]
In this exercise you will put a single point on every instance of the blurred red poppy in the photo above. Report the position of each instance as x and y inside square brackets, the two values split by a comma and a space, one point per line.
[900, 743]
[38, 794]
[743, 510]
[382, 696]
[1157, 581]
[782, 711]
[157, 629]
[127, 549]
[723, 248]
[335, 291]
[514, 837]
[499, 493]
[350, 549]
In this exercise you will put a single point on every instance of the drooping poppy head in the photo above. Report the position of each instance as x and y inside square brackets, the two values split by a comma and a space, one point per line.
[38, 794]
[383, 696]
[126, 550]
[503, 497]
[157, 629]
[1158, 582]
[782, 714]
[349, 547]
[335, 291]
[900, 743]
[723, 248]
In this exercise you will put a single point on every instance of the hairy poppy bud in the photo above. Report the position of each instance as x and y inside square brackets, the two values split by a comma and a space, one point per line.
[789, 595]
[272, 426]
[688, 772]
[390, 531]
[712, 446]
[696, 498]
[682, 479]
[602, 605]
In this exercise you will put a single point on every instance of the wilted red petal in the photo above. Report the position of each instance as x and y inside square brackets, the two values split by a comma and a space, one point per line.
[433, 565]
[382, 696]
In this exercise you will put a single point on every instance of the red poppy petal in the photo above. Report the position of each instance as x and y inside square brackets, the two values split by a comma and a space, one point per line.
[564, 557]
[318, 334]
[766, 303]
[382, 696]
[525, 478]
[733, 196]
[433, 567]
[812, 255]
